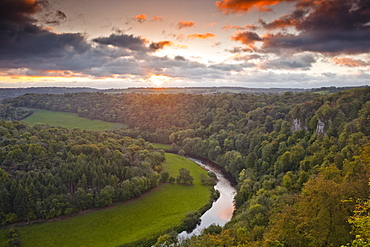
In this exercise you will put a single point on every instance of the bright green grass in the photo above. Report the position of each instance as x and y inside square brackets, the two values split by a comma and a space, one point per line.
[162, 146]
[156, 211]
[68, 120]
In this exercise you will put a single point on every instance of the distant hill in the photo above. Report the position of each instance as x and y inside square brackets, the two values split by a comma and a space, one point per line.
[203, 90]
[14, 92]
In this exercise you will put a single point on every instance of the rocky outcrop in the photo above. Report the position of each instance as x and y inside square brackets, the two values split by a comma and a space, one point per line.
[296, 125]
[320, 129]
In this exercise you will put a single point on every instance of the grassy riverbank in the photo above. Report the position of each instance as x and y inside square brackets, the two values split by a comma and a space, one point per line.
[68, 120]
[153, 213]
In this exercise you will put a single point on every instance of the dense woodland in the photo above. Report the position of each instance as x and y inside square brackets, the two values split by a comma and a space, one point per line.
[9, 113]
[46, 172]
[301, 160]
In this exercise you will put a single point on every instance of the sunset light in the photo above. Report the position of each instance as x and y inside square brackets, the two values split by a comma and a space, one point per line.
[185, 123]
[209, 43]
[158, 80]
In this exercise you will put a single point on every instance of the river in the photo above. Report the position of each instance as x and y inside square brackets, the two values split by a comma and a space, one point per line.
[222, 210]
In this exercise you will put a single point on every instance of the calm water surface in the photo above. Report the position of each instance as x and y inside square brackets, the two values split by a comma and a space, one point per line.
[222, 210]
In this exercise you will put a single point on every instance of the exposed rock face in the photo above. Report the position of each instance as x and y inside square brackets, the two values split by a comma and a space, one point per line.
[296, 125]
[320, 128]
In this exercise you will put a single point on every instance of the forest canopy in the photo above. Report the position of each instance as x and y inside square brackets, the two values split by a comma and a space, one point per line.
[46, 171]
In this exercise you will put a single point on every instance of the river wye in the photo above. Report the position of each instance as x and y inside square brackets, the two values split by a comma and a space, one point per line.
[222, 209]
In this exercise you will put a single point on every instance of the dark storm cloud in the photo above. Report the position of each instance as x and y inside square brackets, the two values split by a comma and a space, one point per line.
[19, 11]
[123, 41]
[23, 43]
[324, 26]
[351, 42]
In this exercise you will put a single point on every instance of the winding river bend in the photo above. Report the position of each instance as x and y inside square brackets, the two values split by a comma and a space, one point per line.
[222, 210]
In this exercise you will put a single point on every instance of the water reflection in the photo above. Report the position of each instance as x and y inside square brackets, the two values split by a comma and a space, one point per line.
[222, 210]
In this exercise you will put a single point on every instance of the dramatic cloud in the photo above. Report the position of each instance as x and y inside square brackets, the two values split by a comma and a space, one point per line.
[324, 26]
[201, 36]
[124, 41]
[22, 43]
[30, 50]
[276, 50]
[19, 11]
[185, 24]
[235, 6]
[160, 45]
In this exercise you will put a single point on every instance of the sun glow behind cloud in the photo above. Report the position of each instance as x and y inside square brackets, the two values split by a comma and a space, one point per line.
[158, 80]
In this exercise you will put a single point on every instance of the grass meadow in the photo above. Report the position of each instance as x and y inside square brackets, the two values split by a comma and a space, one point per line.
[68, 120]
[156, 211]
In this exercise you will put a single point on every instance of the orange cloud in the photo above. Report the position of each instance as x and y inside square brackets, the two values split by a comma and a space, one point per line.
[185, 24]
[228, 27]
[236, 6]
[350, 62]
[212, 24]
[157, 18]
[284, 22]
[201, 36]
[160, 45]
[246, 38]
[140, 18]
[251, 27]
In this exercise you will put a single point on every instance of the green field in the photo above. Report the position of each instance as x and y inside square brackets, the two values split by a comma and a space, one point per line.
[155, 212]
[68, 120]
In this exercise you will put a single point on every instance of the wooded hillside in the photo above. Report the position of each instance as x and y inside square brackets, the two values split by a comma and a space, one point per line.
[298, 157]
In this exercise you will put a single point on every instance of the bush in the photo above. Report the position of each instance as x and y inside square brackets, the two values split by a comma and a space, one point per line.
[192, 219]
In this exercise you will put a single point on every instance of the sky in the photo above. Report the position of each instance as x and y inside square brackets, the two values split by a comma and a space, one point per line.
[184, 43]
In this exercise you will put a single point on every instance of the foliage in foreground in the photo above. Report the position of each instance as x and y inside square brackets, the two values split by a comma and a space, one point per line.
[126, 223]
[46, 172]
